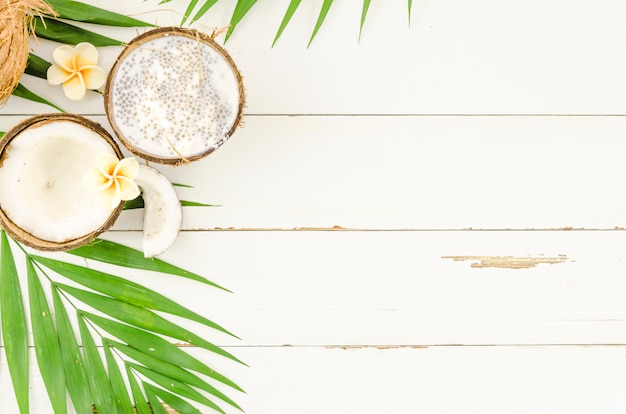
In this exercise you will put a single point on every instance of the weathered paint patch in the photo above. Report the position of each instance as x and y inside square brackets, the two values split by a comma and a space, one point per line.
[509, 262]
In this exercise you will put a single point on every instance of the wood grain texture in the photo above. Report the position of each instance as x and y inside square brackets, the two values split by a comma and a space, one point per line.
[394, 288]
[408, 173]
[458, 57]
[443, 380]
[405, 225]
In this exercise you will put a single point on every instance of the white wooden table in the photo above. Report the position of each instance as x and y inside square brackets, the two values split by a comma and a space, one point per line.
[428, 221]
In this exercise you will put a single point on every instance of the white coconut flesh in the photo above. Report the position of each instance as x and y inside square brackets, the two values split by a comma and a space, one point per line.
[163, 213]
[174, 97]
[41, 181]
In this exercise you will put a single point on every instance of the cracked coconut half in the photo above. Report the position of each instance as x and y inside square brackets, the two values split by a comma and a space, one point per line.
[174, 95]
[43, 202]
[63, 181]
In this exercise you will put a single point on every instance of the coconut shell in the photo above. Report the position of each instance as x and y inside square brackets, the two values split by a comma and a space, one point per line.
[16, 17]
[138, 42]
[22, 235]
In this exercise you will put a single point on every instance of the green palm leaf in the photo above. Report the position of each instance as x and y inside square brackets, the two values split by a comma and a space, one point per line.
[81, 12]
[22, 92]
[138, 202]
[96, 374]
[68, 34]
[320, 19]
[120, 394]
[37, 66]
[131, 335]
[124, 290]
[175, 386]
[181, 406]
[47, 348]
[72, 360]
[190, 7]
[141, 318]
[140, 401]
[120, 255]
[152, 344]
[410, 7]
[14, 330]
[241, 9]
[205, 7]
[155, 403]
[171, 371]
[366, 6]
[291, 9]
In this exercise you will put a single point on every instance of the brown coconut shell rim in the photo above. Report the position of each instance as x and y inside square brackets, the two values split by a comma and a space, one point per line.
[22, 235]
[155, 34]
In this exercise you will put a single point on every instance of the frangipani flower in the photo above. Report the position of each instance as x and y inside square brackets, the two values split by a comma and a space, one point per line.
[75, 68]
[114, 178]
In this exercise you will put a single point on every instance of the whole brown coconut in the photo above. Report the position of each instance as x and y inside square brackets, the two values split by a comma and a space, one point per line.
[16, 22]
[174, 95]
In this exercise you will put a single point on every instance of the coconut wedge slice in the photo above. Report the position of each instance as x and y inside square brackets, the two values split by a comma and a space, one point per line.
[163, 214]
[174, 95]
[43, 202]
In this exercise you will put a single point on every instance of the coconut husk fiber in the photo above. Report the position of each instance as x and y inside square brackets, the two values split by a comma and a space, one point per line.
[16, 23]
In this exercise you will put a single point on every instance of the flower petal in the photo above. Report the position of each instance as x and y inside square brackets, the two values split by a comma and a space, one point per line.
[74, 88]
[94, 77]
[106, 163]
[112, 195]
[128, 168]
[128, 188]
[64, 57]
[85, 54]
[57, 75]
[94, 180]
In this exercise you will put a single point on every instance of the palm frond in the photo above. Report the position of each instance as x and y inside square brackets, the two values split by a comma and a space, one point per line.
[241, 9]
[320, 19]
[135, 340]
[23, 92]
[14, 327]
[366, 6]
[291, 9]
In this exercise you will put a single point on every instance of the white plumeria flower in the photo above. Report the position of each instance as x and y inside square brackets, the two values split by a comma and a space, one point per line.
[76, 68]
[114, 178]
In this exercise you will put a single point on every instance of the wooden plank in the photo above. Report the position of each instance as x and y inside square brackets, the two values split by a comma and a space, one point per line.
[402, 288]
[408, 173]
[480, 57]
[434, 380]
